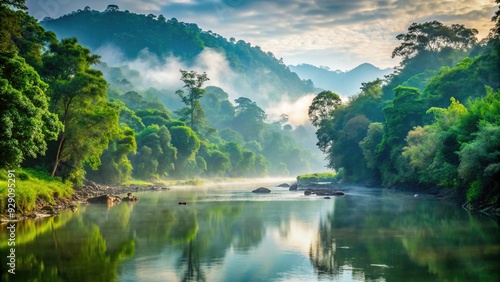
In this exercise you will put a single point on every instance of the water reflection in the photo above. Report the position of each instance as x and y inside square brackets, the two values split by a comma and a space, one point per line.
[395, 237]
[66, 248]
[230, 235]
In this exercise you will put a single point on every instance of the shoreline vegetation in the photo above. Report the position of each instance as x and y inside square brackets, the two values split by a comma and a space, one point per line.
[319, 181]
[40, 195]
[37, 194]
[432, 125]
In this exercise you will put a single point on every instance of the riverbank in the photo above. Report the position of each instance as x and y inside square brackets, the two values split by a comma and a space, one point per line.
[311, 182]
[38, 205]
[49, 204]
[32, 204]
[452, 195]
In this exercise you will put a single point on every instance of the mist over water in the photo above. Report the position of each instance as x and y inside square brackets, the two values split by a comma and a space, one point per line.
[227, 233]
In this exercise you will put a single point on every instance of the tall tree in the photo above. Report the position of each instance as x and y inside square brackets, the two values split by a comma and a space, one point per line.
[78, 96]
[249, 119]
[323, 106]
[187, 143]
[193, 82]
[10, 21]
[115, 163]
[25, 121]
[157, 155]
[405, 112]
[434, 37]
[18, 4]
[429, 46]
[321, 114]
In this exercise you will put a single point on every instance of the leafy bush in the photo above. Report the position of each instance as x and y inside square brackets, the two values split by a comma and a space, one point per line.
[317, 177]
[474, 191]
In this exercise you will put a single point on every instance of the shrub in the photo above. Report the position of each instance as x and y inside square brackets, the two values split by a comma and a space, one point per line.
[317, 177]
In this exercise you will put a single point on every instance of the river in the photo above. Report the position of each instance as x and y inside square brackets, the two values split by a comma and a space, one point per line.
[227, 233]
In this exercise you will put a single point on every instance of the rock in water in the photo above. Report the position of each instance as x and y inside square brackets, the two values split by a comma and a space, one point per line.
[104, 199]
[130, 198]
[261, 190]
[293, 187]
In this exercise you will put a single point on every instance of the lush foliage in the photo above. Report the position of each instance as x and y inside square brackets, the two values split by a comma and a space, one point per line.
[317, 177]
[26, 124]
[74, 123]
[60, 115]
[433, 123]
[36, 184]
[78, 96]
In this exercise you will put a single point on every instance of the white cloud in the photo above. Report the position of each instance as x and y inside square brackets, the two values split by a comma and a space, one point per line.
[295, 109]
[165, 73]
[346, 32]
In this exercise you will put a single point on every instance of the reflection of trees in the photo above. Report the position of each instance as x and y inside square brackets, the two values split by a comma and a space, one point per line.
[394, 238]
[30, 229]
[434, 243]
[322, 251]
[91, 245]
[191, 258]
[220, 226]
[75, 251]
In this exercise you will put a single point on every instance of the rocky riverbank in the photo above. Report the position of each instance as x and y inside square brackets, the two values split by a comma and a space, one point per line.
[81, 196]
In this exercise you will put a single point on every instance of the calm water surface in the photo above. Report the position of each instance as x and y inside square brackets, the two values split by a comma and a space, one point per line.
[227, 233]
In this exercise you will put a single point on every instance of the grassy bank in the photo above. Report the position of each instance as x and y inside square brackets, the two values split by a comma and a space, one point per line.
[317, 177]
[30, 185]
[164, 182]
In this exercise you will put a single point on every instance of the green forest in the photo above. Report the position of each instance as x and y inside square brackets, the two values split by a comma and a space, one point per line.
[433, 123]
[66, 116]
[63, 121]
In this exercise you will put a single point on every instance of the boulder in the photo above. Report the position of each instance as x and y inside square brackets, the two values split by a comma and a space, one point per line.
[308, 192]
[327, 192]
[261, 190]
[130, 198]
[339, 193]
[48, 209]
[327, 198]
[284, 185]
[322, 192]
[293, 187]
[104, 199]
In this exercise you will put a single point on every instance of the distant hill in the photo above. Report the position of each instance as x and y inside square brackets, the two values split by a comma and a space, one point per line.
[343, 83]
[253, 72]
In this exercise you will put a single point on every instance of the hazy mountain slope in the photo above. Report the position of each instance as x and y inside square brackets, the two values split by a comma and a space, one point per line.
[252, 71]
[343, 83]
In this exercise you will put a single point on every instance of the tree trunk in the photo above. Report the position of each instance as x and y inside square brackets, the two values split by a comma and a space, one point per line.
[59, 149]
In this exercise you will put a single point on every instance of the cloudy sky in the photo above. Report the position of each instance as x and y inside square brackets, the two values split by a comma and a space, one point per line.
[339, 34]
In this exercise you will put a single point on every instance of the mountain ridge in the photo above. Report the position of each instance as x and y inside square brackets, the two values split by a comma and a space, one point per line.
[335, 80]
[260, 74]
